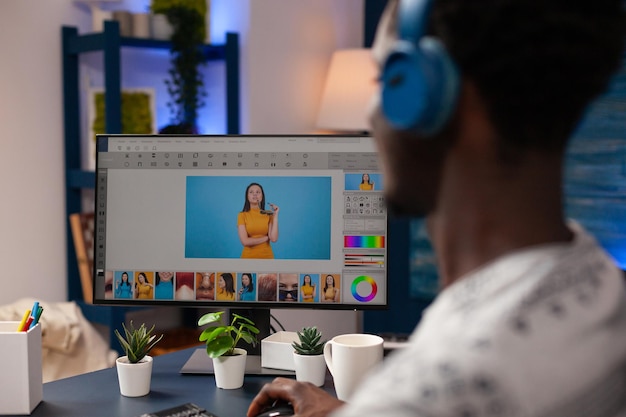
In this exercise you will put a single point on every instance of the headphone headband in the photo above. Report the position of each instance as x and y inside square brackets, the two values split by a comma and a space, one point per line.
[413, 19]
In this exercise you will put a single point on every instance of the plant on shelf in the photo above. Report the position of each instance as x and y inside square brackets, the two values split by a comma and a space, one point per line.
[185, 85]
[308, 356]
[136, 110]
[229, 361]
[310, 342]
[136, 343]
[221, 339]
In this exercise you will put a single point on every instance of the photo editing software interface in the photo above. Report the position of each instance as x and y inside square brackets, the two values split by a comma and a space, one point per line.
[240, 220]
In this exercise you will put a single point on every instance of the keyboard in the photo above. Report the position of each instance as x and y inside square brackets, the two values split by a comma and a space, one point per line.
[183, 410]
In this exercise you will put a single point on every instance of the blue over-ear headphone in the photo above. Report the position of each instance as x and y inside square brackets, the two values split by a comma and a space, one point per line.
[420, 82]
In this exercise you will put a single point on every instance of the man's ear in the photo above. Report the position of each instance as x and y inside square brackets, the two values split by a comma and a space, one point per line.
[386, 32]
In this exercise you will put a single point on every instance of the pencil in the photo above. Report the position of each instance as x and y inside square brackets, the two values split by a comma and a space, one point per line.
[26, 315]
[27, 324]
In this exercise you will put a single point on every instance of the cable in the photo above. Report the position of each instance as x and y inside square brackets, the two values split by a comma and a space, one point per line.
[277, 322]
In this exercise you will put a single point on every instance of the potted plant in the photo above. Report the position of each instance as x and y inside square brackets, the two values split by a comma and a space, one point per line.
[308, 356]
[229, 361]
[134, 370]
[185, 85]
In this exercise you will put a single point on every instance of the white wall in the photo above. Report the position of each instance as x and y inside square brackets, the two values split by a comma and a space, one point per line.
[289, 49]
[286, 47]
[285, 50]
[32, 218]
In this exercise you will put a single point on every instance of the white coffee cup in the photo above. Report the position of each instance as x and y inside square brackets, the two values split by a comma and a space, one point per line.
[349, 357]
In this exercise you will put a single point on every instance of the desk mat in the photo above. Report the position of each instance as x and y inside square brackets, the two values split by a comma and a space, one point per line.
[201, 363]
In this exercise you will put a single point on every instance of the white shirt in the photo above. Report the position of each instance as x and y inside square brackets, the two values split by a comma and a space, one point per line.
[538, 332]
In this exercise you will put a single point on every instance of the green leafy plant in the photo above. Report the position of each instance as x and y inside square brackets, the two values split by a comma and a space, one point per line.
[221, 339]
[136, 113]
[137, 342]
[185, 85]
[310, 342]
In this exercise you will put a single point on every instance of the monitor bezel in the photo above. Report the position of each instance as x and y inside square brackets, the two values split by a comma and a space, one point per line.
[238, 305]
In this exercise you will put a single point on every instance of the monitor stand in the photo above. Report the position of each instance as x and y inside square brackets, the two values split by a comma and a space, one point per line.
[201, 363]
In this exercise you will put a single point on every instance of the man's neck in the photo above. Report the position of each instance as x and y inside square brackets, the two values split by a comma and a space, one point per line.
[486, 210]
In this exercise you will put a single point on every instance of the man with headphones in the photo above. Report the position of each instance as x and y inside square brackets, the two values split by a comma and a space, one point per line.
[478, 100]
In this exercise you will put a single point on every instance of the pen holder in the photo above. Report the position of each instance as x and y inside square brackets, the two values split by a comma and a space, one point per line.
[21, 386]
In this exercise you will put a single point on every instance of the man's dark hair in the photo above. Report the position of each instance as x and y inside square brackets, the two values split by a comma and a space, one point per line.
[537, 63]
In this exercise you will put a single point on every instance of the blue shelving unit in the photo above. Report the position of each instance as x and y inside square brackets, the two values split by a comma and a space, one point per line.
[110, 43]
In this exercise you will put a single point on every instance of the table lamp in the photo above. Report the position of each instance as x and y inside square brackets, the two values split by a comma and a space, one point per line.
[348, 92]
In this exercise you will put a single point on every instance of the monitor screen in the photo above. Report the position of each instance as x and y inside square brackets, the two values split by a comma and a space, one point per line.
[240, 221]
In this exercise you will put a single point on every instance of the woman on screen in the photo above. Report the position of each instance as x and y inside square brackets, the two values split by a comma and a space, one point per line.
[256, 226]
[225, 287]
[184, 286]
[330, 294]
[246, 292]
[267, 285]
[143, 289]
[205, 288]
[288, 287]
[164, 285]
[123, 288]
[307, 290]
[366, 184]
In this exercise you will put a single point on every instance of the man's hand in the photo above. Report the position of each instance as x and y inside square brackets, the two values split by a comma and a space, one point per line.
[307, 399]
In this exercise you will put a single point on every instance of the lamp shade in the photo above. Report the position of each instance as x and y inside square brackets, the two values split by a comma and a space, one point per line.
[348, 91]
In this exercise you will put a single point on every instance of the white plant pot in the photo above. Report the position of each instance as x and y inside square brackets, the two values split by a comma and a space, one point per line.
[98, 16]
[160, 27]
[310, 368]
[134, 378]
[230, 370]
[141, 25]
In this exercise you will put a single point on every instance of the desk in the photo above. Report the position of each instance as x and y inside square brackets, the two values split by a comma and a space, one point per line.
[97, 393]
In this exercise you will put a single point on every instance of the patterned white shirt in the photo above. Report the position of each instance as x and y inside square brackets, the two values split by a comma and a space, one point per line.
[536, 333]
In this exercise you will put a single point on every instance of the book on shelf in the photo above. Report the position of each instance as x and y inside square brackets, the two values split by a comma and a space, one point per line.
[82, 225]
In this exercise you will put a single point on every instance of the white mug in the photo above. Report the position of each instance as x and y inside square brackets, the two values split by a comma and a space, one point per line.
[349, 357]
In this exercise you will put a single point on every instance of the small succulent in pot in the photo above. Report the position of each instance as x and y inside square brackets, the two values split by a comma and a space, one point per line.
[136, 343]
[310, 342]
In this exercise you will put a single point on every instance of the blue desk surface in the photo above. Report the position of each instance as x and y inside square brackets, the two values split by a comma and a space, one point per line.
[97, 393]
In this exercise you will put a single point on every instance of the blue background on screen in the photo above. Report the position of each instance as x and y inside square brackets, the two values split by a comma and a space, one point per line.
[213, 203]
[353, 181]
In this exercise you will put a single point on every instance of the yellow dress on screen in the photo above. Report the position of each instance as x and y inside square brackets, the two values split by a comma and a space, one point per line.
[222, 295]
[308, 290]
[144, 292]
[257, 225]
[366, 187]
[329, 294]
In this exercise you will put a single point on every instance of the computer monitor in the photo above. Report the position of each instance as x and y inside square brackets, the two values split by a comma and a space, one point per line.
[240, 221]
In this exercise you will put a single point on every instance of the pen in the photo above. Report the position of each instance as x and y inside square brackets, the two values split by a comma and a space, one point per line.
[36, 318]
[24, 318]
[27, 324]
[35, 309]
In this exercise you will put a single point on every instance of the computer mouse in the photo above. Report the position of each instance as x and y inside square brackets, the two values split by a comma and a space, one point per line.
[278, 409]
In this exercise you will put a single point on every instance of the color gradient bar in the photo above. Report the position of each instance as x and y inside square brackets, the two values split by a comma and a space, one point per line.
[368, 242]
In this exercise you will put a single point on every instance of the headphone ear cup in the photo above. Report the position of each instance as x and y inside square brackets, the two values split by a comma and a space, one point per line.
[419, 87]
[402, 87]
[443, 84]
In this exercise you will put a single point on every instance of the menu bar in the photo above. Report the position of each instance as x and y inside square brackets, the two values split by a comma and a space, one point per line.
[237, 160]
